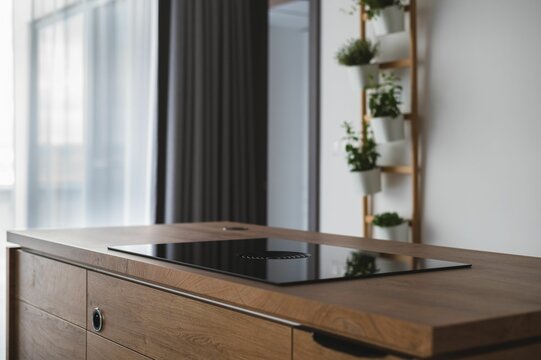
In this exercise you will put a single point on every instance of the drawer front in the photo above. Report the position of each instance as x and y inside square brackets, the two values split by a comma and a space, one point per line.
[529, 351]
[53, 286]
[99, 348]
[38, 335]
[162, 325]
[305, 347]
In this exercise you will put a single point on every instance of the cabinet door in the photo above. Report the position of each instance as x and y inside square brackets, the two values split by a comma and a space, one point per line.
[38, 335]
[52, 286]
[516, 352]
[99, 348]
[162, 325]
[306, 347]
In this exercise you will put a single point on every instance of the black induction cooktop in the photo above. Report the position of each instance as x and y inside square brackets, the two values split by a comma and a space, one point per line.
[286, 262]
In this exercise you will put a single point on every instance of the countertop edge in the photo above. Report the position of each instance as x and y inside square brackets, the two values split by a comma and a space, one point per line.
[201, 285]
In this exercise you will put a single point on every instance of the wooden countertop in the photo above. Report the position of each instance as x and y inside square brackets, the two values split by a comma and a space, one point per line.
[497, 300]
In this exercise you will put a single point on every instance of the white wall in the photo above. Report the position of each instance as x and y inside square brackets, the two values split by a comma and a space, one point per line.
[479, 85]
[288, 116]
[340, 211]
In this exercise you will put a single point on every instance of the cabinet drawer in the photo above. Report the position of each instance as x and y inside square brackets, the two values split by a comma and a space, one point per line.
[306, 347]
[518, 352]
[52, 286]
[38, 335]
[99, 348]
[162, 325]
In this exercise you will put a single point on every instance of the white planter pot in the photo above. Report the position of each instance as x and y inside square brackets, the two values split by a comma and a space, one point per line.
[388, 129]
[389, 20]
[398, 232]
[362, 76]
[368, 182]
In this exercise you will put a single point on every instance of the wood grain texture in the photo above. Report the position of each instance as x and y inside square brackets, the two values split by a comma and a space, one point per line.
[524, 352]
[305, 348]
[99, 348]
[405, 169]
[55, 287]
[396, 64]
[37, 335]
[415, 127]
[167, 326]
[367, 200]
[497, 300]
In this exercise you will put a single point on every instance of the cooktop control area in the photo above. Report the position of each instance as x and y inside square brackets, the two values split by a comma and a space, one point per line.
[285, 262]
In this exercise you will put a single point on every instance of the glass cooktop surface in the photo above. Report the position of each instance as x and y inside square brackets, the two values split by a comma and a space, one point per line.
[284, 262]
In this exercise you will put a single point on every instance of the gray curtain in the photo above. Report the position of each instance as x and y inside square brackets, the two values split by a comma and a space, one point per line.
[212, 114]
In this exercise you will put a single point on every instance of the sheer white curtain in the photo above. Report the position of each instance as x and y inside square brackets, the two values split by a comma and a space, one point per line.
[6, 153]
[91, 101]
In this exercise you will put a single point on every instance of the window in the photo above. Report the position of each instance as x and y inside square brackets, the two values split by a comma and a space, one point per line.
[7, 175]
[91, 119]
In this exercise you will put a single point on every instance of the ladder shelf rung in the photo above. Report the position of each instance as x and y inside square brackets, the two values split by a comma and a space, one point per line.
[395, 64]
[409, 64]
[404, 169]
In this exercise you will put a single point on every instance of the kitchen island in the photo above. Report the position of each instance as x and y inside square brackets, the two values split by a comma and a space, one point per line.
[73, 298]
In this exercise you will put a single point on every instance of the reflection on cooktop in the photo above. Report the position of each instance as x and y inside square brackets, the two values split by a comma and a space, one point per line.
[285, 262]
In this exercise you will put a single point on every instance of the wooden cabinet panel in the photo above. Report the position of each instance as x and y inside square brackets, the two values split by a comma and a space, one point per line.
[37, 335]
[392, 306]
[306, 348]
[168, 326]
[99, 348]
[529, 351]
[53, 286]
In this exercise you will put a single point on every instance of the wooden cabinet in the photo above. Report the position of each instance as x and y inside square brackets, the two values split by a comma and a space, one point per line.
[308, 347]
[49, 285]
[48, 307]
[162, 325]
[99, 348]
[518, 352]
[38, 335]
[50, 310]
[52, 304]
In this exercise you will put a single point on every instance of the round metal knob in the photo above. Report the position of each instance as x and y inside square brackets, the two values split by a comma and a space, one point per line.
[97, 320]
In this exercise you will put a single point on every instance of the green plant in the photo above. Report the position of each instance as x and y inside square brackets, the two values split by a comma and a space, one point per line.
[360, 156]
[373, 7]
[385, 100]
[387, 219]
[356, 52]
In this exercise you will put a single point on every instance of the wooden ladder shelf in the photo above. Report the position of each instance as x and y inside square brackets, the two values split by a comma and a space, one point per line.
[413, 117]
